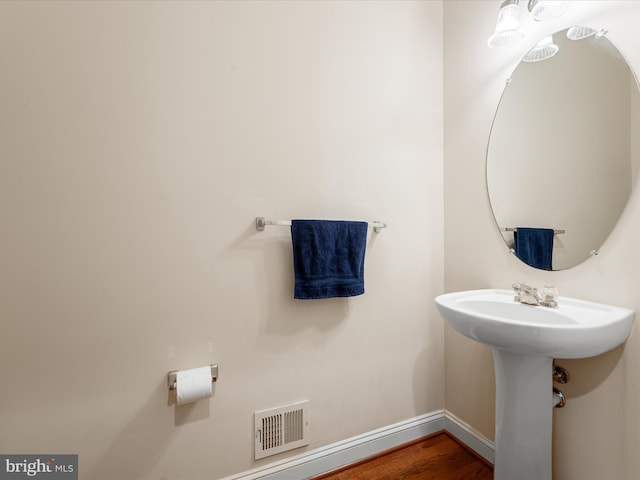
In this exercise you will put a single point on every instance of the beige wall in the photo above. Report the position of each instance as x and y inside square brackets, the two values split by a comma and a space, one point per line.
[139, 140]
[597, 435]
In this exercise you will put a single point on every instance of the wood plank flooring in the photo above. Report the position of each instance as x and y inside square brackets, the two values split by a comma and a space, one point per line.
[436, 457]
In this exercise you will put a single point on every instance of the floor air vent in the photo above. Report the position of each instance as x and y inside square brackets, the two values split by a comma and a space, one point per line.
[281, 429]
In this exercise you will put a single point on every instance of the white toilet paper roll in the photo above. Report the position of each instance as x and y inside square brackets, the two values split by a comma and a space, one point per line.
[193, 385]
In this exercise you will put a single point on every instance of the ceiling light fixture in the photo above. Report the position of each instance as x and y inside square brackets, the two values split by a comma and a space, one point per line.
[508, 31]
[543, 50]
[580, 33]
[544, 10]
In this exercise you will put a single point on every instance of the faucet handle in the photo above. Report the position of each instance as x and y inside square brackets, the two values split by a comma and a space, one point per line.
[519, 289]
[522, 287]
[516, 292]
[549, 293]
[548, 296]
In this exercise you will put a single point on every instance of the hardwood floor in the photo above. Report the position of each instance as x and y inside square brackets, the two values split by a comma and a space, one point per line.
[437, 457]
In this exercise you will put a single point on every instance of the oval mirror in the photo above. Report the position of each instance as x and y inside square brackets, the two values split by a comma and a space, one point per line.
[562, 159]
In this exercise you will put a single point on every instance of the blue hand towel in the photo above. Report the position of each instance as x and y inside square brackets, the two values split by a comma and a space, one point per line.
[328, 258]
[534, 246]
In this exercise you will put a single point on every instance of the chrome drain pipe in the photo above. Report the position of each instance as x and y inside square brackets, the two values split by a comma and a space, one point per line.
[558, 398]
[560, 375]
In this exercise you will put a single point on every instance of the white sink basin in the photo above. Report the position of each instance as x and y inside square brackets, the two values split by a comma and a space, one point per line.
[576, 329]
[524, 340]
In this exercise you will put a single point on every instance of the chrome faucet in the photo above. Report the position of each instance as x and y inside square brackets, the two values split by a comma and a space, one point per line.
[546, 297]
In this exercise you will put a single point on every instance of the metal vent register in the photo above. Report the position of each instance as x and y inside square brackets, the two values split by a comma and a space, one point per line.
[281, 429]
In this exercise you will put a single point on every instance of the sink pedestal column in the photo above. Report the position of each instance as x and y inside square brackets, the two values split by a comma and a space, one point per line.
[524, 414]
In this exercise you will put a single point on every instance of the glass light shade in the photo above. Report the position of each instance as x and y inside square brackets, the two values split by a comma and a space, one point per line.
[578, 33]
[543, 50]
[543, 10]
[508, 30]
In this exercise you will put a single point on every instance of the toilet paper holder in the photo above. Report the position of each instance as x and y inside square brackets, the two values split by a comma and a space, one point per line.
[172, 376]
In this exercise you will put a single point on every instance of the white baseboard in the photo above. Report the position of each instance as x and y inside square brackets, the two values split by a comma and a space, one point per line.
[340, 454]
[470, 437]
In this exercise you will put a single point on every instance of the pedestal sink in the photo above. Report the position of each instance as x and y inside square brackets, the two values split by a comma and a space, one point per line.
[525, 339]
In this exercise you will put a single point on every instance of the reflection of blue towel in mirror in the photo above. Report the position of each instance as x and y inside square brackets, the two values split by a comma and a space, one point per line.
[328, 258]
[534, 246]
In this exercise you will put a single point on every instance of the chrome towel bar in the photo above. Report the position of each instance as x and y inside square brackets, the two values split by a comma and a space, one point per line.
[261, 222]
[514, 229]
